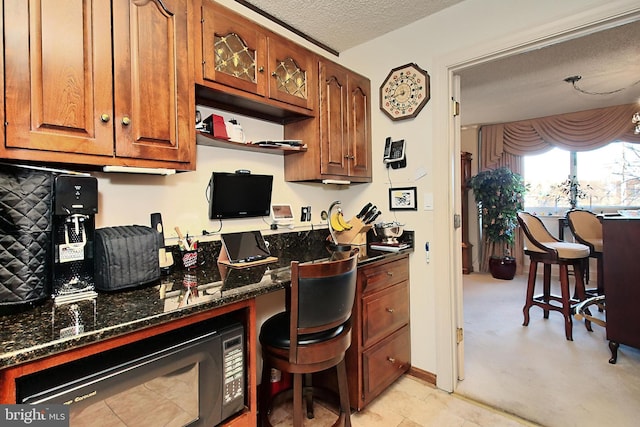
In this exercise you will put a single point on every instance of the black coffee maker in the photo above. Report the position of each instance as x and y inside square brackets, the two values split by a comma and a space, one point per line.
[75, 199]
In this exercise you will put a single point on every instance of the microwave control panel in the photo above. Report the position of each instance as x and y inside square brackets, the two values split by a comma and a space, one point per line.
[233, 362]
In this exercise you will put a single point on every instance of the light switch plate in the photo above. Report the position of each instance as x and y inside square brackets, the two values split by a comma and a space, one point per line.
[428, 201]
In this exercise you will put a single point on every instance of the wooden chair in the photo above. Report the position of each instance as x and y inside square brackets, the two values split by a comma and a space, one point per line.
[313, 334]
[542, 247]
[587, 229]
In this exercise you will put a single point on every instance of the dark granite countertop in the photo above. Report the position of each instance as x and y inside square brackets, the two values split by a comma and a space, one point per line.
[49, 329]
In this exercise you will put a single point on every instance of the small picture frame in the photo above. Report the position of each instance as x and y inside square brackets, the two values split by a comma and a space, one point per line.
[403, 199]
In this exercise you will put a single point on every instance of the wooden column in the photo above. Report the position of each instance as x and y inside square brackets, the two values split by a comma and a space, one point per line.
[467, 261]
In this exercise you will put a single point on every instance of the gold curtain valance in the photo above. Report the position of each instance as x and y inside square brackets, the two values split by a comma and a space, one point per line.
[580, 131]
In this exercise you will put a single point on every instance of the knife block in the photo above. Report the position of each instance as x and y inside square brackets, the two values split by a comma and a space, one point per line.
[356, 236]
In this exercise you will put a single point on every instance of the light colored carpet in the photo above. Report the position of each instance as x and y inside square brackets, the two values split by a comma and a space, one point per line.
[533, 371]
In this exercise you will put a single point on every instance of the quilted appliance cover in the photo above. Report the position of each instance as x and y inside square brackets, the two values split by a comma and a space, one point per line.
[25, 237]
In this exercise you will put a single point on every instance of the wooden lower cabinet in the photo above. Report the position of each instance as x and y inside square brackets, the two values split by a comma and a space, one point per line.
[380, 349]
[620, 236]
[384, 362]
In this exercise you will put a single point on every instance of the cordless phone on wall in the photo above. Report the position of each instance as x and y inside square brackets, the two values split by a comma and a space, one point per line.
[394, 153]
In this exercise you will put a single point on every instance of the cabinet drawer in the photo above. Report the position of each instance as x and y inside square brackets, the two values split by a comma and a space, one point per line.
[385, 362]
[379, 276]
[384, 312]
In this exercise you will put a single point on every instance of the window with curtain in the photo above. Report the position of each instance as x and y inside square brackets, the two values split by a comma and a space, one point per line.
[607, 178]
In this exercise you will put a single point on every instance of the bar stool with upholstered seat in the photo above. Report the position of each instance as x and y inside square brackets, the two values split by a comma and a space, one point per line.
[313, 334]
[587, 229]
[542, 247]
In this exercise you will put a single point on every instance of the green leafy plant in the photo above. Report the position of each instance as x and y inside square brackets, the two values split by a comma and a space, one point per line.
[500, 195]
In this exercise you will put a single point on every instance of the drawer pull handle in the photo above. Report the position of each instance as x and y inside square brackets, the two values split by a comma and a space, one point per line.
[389, 273]
[391, 359]
[390, 310]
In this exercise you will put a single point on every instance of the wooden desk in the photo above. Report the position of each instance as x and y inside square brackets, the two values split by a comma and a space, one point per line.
[621, 243]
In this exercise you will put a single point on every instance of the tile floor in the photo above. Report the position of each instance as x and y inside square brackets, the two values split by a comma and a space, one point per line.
[410, 402]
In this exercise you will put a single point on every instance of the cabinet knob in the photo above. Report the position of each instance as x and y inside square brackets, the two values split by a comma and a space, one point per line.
[349, 157]
[126, 121]
[261, 69]
[391, 359]
[274, 74]
[389, 273]
[390, 310]
[105, 118]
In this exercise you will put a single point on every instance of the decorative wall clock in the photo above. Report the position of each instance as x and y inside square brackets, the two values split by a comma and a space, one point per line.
[404, 92]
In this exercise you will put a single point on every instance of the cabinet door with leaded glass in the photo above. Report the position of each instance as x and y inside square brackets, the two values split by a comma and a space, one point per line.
[292, 73]
[233, 50]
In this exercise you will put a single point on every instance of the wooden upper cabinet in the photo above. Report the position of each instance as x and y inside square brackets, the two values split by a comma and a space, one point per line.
[359, 120]
[345, 122]
[291, 71]
[58, 76]
[151, 69]
[242, 59]
[233, 50]
[334, 136]
[339, 137]
[70, 100]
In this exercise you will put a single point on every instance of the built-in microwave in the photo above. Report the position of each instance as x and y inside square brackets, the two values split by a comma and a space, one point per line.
[194, 376]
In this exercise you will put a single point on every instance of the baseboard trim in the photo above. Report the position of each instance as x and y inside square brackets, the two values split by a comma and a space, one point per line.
[423, 375]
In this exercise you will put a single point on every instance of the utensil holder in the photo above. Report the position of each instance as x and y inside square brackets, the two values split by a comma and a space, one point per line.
[190, 259]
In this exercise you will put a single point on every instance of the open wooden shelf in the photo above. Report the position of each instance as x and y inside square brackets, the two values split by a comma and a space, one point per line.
[204, 138]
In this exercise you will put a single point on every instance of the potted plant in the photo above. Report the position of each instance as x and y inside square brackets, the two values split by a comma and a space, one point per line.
[499, 194]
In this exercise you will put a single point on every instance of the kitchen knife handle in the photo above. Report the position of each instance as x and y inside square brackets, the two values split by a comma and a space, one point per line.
[374, 217]
[370, 214]
[364, 210]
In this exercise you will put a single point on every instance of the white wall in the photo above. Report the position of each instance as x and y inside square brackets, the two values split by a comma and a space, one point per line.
[471, 29]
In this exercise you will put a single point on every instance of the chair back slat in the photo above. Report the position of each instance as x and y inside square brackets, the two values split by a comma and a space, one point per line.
[584, 225]
[325, 300]
[536, 234]
[322, 296]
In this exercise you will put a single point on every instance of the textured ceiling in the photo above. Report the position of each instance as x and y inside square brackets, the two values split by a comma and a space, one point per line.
[532, 84]
[342, 24]
[517, 87]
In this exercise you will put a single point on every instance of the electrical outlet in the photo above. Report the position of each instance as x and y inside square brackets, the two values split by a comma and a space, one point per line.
[305, 213]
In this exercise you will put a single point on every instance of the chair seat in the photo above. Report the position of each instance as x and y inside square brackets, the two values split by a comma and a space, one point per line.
[566, 250]
[275, 333]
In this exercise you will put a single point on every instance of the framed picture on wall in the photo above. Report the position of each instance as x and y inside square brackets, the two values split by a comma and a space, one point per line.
[403, 199]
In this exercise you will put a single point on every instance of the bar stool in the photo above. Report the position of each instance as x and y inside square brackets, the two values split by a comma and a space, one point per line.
[543, 248]
[587, 229]
[313, 334]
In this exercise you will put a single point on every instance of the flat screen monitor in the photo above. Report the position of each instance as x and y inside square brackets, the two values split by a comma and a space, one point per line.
[239, 195]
